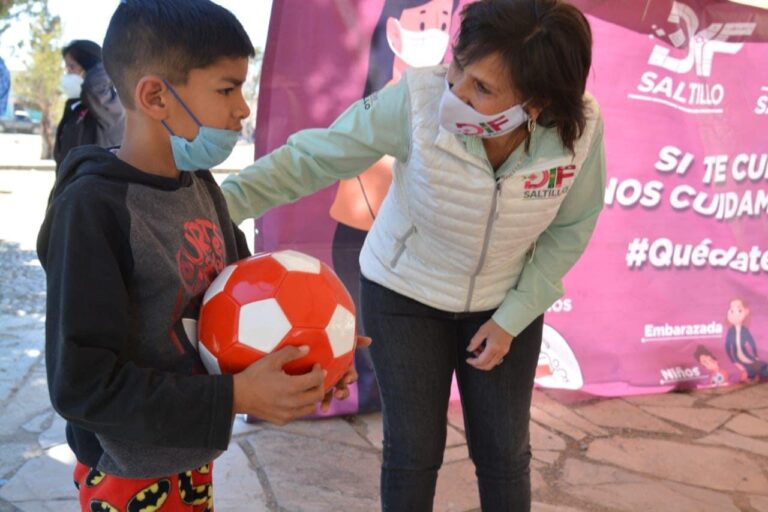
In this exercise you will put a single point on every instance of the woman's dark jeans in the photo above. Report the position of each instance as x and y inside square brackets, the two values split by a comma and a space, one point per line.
[415, 351]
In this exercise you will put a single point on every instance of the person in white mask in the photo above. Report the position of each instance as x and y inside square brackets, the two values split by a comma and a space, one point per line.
[92, 113]
[498, 182]
[419, 36]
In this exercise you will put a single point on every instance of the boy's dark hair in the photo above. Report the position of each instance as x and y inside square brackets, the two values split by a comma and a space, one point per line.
[169, 38]
[701, 350]
[86, 53]
[547, 48]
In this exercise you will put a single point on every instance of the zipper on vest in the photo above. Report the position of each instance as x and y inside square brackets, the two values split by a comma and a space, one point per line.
[499, 181]
[492, 216]
[401, 249]
[532, 252]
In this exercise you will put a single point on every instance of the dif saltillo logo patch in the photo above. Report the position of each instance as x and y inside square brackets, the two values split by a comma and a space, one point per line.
[548, 183]
[682, 75]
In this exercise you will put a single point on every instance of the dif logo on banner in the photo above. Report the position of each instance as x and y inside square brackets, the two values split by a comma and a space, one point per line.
[491, 127]
[697, 94]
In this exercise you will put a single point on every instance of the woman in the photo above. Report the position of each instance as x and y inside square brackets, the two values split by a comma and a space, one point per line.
[93, 113]
[497, 185]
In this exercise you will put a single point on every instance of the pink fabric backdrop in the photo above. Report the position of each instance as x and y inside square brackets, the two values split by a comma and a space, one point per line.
[683, 88]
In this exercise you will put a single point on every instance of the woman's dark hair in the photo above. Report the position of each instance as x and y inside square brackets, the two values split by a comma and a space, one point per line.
[381, 57]
[169, 38]
[547, 48]
[86, 53]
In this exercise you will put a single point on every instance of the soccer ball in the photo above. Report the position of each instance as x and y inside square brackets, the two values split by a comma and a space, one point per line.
[268, 301]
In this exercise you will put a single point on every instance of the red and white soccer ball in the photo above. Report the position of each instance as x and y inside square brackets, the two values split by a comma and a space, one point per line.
[268, 301]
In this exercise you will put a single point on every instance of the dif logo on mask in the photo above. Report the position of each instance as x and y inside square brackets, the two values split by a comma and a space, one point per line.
[493, 127]
[458, 117]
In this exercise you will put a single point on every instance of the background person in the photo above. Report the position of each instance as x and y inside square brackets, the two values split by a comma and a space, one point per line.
[92, 113]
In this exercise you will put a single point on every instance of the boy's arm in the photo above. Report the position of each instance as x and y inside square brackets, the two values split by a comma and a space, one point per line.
[93, 381]
[316, 158]
[559, 247]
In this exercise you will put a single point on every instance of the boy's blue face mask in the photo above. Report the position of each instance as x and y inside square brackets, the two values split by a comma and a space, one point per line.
[210, 148]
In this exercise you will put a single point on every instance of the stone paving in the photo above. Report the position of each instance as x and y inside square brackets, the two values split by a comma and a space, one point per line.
[680, 452]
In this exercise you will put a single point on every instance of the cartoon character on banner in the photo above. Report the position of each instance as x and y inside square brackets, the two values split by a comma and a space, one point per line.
[718, 376]
[558, 367]
[740, 345]
[409, 33]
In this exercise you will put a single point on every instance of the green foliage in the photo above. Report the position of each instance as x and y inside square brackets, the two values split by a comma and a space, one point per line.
[251, 92]
[11, 10]
[38, 84]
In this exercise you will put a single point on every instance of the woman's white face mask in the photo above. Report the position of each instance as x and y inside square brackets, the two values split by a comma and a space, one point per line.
[71, 85]
[421, 48]
[458, 117]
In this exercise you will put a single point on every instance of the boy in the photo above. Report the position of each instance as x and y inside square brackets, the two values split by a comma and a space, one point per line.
[129, 244]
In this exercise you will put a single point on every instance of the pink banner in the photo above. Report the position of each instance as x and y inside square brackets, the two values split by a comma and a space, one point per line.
[672, 291]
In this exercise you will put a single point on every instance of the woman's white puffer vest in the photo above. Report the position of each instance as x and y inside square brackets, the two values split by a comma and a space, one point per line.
[451, 235]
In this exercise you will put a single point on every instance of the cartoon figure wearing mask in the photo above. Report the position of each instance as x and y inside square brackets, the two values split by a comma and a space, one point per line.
[740, 345]
[409, 33]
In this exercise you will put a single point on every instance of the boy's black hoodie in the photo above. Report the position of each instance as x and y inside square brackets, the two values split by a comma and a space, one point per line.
[128, 256]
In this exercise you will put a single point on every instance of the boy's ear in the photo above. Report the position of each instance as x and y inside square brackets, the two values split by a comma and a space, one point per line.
[150, 97]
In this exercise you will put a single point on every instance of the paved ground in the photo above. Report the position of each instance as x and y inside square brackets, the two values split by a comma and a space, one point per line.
[693, 452]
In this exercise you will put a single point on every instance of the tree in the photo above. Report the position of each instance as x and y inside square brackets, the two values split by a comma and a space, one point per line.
[251, 92]
[11, 10]
[38, 85]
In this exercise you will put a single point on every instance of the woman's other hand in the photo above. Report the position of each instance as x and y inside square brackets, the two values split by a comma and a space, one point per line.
[489, 346]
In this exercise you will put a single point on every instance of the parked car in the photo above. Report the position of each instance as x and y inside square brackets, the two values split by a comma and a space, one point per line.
[19, 122]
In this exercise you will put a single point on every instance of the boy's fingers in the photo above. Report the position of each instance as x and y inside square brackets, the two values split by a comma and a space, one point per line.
[293, 413]
[339, 393]
[287, 354]
[350, 378]
[307, 410]
[325, 405]
[308, 398]
[363, 341]
[308, 381]
[303, 398]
